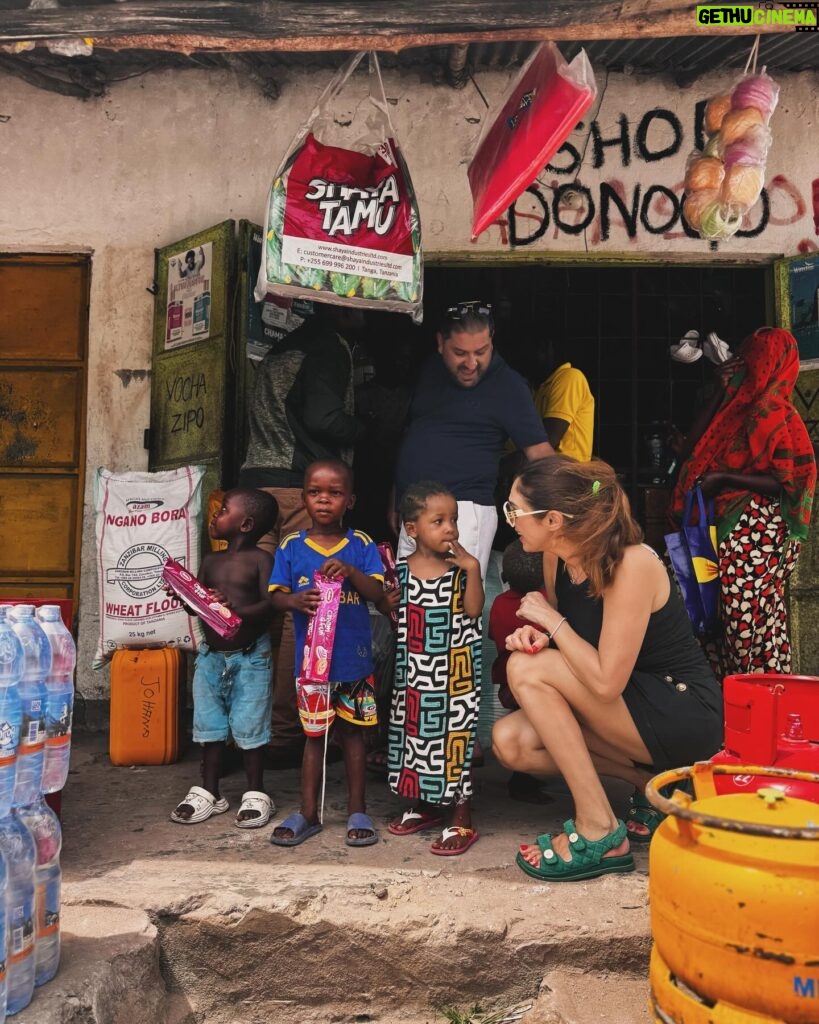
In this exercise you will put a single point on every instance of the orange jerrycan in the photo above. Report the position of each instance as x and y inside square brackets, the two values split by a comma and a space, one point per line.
[734, 890]
[145, 712]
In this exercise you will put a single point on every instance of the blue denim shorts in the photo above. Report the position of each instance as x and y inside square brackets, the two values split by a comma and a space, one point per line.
[233, 695]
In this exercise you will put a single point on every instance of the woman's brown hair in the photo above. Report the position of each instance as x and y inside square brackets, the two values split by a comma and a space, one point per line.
[601, 526]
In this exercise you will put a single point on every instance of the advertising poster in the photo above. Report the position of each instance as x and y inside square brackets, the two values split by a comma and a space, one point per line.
[188, 307]
[803, 293]
[268, 321]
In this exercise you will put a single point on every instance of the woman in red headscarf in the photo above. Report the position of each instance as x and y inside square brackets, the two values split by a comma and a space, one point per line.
[752, 454]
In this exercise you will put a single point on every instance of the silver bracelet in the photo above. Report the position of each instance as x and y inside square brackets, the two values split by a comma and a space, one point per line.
[557, 627]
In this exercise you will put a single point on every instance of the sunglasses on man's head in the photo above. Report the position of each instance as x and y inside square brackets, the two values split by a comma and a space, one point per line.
[474, 308]
[510, 513]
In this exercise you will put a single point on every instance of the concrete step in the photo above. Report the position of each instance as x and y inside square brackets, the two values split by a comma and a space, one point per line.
[210, 924]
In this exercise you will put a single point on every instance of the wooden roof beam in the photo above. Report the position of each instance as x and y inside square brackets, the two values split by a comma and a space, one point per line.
[321, 25]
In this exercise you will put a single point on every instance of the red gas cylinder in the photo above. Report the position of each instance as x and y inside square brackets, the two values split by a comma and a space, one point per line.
[771, 720]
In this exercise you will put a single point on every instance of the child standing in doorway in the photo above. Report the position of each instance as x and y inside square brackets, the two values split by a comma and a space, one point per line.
[329, 548]
[435, 703]
[232, 681]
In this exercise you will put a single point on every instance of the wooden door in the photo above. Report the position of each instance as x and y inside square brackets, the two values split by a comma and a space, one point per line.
[43, 375]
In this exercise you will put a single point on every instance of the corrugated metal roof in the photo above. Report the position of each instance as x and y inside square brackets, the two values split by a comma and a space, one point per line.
[682, 58]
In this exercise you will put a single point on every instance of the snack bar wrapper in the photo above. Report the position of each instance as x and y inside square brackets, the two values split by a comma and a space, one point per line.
[321, 631]
[191, 592]
[390, 575]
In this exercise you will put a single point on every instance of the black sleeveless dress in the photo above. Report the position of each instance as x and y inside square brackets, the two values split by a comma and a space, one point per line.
[672, 694]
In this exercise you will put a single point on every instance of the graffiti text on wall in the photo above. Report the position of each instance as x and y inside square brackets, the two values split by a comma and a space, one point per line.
[567, 207]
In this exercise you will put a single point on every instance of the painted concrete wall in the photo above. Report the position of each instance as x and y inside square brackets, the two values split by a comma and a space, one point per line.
[168, 154]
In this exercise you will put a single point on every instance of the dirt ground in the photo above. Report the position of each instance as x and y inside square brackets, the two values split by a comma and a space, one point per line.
[170, 924]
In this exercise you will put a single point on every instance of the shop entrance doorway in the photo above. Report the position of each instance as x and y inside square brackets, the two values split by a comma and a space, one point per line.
[616, 325]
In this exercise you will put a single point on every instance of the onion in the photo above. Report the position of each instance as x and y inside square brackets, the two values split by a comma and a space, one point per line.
[706, 172]
[711, 146]
[737, 123]
[720, 222]
[695, 203]
[759, 91]
[752, 148]
[716, 108]
[742, 185]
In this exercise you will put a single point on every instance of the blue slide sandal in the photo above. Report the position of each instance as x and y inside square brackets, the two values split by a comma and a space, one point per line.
[299, 826]
[363, 823]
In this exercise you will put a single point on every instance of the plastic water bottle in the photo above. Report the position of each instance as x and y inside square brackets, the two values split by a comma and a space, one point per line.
[11, 711]
[17, 846]
[3, 893]
[32, 690]
[60, 699]
[44, 826]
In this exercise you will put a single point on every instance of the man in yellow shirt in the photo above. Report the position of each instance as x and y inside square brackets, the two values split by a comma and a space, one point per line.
[566, 406]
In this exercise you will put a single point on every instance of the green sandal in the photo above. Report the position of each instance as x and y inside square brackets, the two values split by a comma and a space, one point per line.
[645, 814]
[588, 858]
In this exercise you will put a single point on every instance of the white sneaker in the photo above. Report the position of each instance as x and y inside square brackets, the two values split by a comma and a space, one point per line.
[715, 349]
[687, 349]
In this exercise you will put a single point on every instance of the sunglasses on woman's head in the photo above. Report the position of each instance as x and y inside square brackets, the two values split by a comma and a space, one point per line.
[510, 513]
[474, 308]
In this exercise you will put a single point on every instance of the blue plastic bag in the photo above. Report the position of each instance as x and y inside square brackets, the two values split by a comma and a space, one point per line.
[694, 559]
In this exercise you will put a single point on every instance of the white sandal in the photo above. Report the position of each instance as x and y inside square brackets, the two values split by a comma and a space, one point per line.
[204, 805]
[254, 800]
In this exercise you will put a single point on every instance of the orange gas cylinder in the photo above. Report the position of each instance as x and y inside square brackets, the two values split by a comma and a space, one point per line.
[734, 889]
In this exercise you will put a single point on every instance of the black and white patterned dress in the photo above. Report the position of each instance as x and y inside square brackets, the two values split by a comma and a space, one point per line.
[436, 698]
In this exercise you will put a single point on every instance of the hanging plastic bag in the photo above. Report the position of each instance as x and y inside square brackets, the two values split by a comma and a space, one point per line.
[546, 101]
[342, 223]
[724, 181]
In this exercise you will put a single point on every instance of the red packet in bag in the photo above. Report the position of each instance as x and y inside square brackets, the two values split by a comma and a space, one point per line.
[321, 630]
[390, 575]
[191, 592]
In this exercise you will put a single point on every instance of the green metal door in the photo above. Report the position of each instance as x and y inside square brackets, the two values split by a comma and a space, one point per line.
[193, 385]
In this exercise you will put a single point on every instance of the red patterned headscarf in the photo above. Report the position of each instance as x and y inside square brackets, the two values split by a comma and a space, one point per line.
[757, 430]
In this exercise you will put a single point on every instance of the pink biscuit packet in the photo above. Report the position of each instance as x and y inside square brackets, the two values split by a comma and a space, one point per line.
[390, 575]
[321, 630]
[188, 588]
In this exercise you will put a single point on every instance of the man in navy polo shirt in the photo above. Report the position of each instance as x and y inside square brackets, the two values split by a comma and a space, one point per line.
[467, 402]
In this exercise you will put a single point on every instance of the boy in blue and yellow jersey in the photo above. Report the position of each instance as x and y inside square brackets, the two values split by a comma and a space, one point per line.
[334, 551]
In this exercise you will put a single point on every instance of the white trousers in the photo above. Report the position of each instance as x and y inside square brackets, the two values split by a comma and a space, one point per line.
[476, 531]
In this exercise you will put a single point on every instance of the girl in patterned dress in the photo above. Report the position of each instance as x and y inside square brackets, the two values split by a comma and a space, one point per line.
[435, 701]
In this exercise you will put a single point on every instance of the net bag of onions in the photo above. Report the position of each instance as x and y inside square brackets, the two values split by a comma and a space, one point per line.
[725, 178]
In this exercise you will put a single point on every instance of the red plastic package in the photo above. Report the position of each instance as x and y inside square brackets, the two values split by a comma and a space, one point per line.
[191, 592]
[321, 631]
[546, 101]
[390, 575]
[342, 223]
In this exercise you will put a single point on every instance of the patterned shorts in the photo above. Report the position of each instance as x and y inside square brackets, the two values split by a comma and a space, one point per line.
[353, 702]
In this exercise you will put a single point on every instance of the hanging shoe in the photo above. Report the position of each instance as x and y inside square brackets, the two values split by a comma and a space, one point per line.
[687, 349]
[715, 349]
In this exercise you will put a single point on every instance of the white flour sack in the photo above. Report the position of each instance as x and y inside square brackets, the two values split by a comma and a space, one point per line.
[142, 519]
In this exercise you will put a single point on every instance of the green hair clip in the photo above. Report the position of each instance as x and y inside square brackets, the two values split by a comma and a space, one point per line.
[595, 487]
